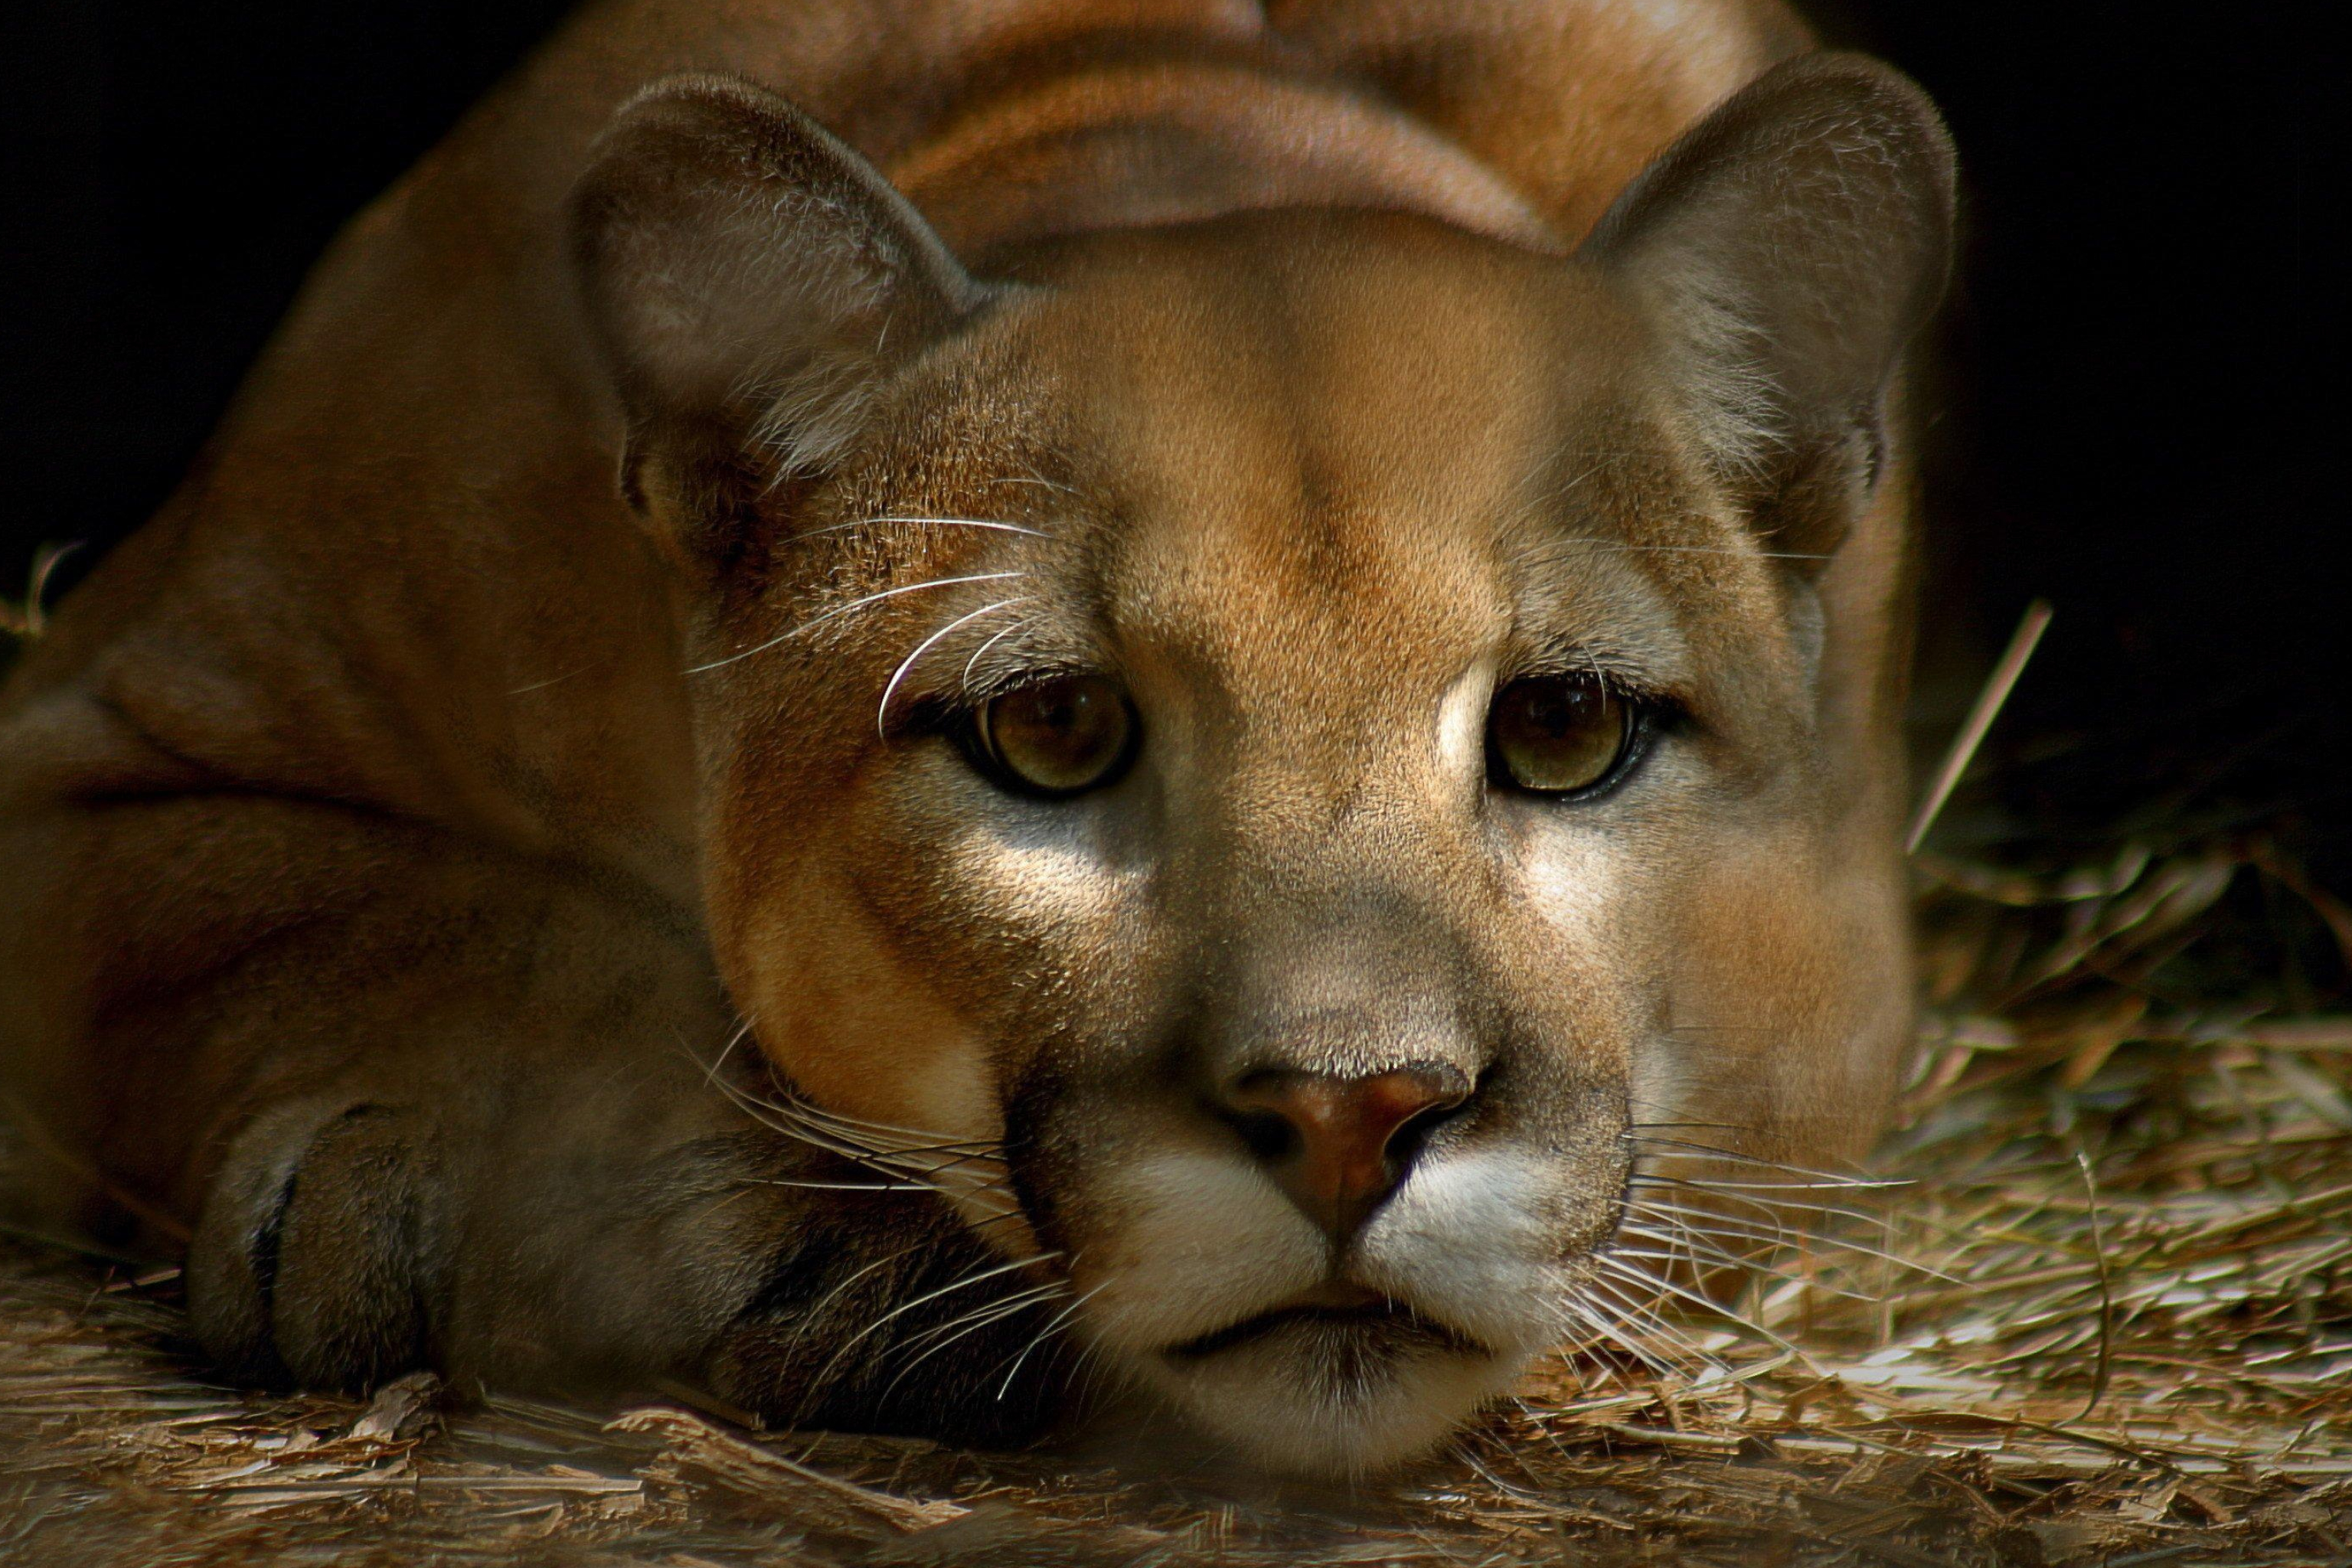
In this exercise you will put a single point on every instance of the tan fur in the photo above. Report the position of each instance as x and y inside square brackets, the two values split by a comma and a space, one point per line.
[393, 833]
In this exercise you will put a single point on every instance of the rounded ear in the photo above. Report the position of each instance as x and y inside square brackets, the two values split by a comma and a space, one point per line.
[1788, 247]
[745, 271]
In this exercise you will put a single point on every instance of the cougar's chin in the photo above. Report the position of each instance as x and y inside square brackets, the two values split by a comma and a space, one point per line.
[1326, 1392]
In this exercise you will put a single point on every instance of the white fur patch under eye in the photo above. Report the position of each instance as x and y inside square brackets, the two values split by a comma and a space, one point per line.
[1462, 724]
[1572, 875]
[1042, 881]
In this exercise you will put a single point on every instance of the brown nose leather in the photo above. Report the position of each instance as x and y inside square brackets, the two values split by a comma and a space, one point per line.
[1339, 1158]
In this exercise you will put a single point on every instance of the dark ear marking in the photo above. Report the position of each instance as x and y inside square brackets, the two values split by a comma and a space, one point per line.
[745, 271]
[1788, 248]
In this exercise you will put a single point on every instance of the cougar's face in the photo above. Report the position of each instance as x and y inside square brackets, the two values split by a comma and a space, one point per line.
[1274, 728]
[1264, 758]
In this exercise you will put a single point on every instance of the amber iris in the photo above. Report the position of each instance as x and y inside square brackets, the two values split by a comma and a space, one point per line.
[1557, 734]
[1058, 737]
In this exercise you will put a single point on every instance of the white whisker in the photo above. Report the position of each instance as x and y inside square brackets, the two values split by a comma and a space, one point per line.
[966, 1282]
[938, 521]
[1811, 1177]
[1613, 1330]
[838, 611]
[1652, 1324]
[1635, 1274]
[965, 680]
[1063, 1316]
[971, 1323]
[1731, 1225]
[882, 713]
[808, 1317]
[1745, 1193]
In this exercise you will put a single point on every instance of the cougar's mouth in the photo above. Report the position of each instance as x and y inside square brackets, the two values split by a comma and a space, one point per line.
[1356, 1311]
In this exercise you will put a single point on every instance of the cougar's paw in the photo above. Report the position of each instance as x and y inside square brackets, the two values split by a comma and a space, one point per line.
[312, 1257]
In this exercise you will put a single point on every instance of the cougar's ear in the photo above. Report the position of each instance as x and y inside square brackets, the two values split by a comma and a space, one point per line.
[745, 272]
[1788, 247]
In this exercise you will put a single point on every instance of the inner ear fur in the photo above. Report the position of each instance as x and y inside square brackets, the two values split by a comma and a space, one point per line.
[1788, 248]
[745, 272]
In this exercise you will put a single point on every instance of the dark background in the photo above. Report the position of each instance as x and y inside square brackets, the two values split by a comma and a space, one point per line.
[2125, 421]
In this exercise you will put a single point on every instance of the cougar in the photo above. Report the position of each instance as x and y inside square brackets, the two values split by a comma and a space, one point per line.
[983, 718]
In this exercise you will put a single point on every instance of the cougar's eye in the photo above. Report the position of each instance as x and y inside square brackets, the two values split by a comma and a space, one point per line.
[1059, 737]
[1559, 734]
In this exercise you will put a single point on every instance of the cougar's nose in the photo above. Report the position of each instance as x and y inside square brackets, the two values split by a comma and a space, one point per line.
[1336, 1145]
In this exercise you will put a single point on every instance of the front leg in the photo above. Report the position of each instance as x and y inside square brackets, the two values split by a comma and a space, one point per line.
[426, 1103]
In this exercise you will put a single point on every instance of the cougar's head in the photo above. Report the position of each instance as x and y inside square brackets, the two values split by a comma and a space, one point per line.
[1306, 737]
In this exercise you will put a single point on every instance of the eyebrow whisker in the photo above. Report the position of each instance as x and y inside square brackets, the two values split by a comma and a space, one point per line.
[1621, 547]
[937, 522]
[815, 621]
[964, 682]
[882, 713]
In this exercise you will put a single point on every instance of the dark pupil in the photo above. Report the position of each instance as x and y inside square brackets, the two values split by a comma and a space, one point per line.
[1057, 708]
[1556, 711]
[1060, 734]
[1556, 734]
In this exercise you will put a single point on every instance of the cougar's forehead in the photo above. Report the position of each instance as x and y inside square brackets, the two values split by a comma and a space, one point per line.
[1318, 465]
